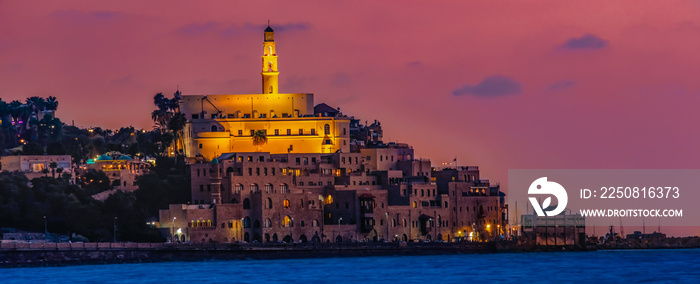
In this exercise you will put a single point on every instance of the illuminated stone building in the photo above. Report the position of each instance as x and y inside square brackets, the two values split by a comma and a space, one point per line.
[33, 165]
[121, 171]
[219, 124]
[307, 184]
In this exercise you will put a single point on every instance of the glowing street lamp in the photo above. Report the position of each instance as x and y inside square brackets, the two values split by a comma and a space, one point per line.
[339, 219]
[172, 230]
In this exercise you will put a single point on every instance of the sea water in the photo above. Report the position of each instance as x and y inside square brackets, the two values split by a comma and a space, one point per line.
[621, 266]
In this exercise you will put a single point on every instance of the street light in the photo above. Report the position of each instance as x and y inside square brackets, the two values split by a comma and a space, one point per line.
[46, 232]
[172, 230]
[115, 229]
[339, 219]
[387, 225]
[430, 222]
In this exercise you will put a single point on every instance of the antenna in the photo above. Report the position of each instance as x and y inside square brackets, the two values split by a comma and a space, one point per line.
[268, 22]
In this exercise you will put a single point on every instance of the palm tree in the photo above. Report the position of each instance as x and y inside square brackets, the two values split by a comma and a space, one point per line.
[259, 139]
[51, 103]
[161, 118]
[176, 125]
[161, 102]
[53, 167]
[36, 104]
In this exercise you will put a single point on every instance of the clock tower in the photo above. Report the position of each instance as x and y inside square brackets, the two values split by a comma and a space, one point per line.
[269, 63]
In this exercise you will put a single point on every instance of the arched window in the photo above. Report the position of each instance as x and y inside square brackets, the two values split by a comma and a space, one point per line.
[269, 203]
[246, 221]
[214, 128]
[234, 201]
[301, 203]
[404, 222]
[256, 224]
[327, 129]
[268, 188]
[301, 223]
[415, 204]
[229, 170]
[253, 188]
[246, 203]
[285, 203]
[393, 222]
[284, 188]
[329, 199]
[288, 222]
[268, 223]
[314, 223]
[238, 188]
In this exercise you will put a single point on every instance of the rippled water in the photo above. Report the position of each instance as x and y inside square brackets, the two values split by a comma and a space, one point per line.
[671, 266]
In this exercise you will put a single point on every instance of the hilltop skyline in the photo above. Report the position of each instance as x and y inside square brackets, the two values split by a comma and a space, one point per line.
[501, 85]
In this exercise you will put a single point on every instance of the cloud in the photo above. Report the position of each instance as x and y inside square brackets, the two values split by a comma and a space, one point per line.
[80, 16]
[197, 29]
[299, 26]
[123, 80]
[587, 41]
[340, 79]
[235, 30]
[564, 84]
[495, 85]
[414, 63]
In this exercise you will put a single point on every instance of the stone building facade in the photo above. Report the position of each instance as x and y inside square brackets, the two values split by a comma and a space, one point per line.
[267, 197]
[310, 185]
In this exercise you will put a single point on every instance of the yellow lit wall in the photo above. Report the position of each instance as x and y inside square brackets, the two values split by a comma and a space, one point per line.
[235, 136]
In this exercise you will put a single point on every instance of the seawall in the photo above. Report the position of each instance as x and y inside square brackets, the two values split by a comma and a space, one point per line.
[52, 254]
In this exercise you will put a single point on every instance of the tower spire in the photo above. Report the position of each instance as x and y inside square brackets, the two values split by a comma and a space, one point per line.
[269, 63]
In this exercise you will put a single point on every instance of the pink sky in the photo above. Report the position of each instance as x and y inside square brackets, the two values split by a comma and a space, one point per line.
[540, 84]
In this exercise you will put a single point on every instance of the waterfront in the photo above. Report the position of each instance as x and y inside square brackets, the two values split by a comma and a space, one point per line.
[675, 266]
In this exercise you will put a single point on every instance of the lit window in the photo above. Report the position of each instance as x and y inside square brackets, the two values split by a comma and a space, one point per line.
[285, 203]
[288, 222]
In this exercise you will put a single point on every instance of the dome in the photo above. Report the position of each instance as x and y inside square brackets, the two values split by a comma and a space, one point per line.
[104, 157]
[215, 161]
[124, 157]
[269, 29]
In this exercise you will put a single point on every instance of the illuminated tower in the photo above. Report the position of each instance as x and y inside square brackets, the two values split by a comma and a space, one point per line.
[269, 63]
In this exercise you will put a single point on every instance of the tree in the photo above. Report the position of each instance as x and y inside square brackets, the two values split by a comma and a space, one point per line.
[53, 166]
[176, 125]
[51, 103]
[259, 139]
[55, 148]
[32, 148]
